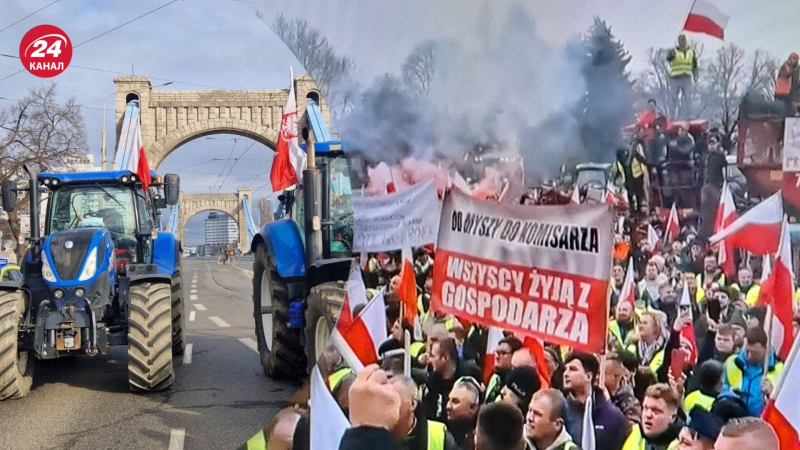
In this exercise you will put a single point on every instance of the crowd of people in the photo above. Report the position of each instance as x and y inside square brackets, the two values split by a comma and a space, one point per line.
[536, 393]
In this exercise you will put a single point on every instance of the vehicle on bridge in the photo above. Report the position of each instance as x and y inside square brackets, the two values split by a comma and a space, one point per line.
[101, 275]
[303, 258]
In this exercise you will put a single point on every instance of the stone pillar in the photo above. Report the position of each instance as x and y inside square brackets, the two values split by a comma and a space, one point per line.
[244, 238]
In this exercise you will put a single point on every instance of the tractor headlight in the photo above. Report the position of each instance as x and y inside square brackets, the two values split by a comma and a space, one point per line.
[55, 182]
[125, 179]
[58, 294]
[90, 267]
[47, 271]
[79, 292]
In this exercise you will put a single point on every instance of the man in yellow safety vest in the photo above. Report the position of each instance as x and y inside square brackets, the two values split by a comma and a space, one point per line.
[682, 73]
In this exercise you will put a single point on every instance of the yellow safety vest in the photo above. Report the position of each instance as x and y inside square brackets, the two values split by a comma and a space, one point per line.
[335, 379]
[699, 279]
[683, 63]
[257, 442]
[613, 328]
[371, 293]
[635, 440]
[436, 435]
[697, 398]
[493, 390]
[636, 168]
[416, 348]
[619, 172]
[735, 376]
[655, 363]
[752, 295]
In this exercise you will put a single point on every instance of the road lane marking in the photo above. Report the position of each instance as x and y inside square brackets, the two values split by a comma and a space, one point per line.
[192, 297]
[250, 342]
[199, 307]
[176, 438]
[219, 322]
[191, 316]
[193, 291]
[249, 272]
[187, 354]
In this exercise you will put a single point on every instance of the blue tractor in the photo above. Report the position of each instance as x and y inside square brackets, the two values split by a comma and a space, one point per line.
[302, 259]
[101, 275]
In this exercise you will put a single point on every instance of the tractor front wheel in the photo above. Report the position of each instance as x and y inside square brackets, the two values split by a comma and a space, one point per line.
[16, 368]
[178, 328]
[324, 304]
[150, 337]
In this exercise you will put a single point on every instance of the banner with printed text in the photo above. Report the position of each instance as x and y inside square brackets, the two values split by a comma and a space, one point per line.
[405, 219]
[541, 271]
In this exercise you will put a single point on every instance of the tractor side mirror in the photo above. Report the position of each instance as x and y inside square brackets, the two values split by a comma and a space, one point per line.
[9, 195]
[172, 188]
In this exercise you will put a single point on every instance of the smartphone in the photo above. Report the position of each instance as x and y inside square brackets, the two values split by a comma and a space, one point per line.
[677, 363]
[713, 310]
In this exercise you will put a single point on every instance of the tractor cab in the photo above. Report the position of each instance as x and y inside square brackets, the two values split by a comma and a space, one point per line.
[591, 180]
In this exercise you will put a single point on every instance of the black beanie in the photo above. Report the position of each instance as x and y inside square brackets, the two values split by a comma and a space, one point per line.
[524, 382]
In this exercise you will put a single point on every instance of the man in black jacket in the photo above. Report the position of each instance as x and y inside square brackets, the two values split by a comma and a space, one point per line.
[415, 432]
[444, 367]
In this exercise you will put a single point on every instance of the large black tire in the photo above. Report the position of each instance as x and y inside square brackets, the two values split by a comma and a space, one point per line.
[324, 304]
[16, 369]
[178, 321]
[284, 358]
[150, 337]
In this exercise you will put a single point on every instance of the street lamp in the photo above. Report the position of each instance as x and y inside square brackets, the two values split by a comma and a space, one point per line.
[103, 148]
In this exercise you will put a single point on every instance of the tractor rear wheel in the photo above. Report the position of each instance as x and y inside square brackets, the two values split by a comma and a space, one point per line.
[279, 347]
[324, 304]
[150, 337]
[16, 368]
[178, 326]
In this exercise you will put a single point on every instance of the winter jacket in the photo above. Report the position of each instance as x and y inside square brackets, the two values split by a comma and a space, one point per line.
[562, 442]
[610, 425]
[744, 379]
[435, 391]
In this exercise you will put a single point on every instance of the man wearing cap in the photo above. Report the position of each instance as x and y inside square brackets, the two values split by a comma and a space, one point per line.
[502, 365]
[521, 384]
[463, 405]
[700, 433]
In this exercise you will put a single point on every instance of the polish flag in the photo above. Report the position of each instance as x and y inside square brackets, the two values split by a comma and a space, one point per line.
[328, 422]
[673, 225]
[652, 239]
[494, 337]
[458, 182]
[381, 179]
[358, 336]
[290, 160]
[758, 230]
[707, 19]
[628, 291]
[536, 348]
[778, 292]
[576, 196]
[688, 331]
[408, 287]
[781, 411]
[134, 156]
[726, 215]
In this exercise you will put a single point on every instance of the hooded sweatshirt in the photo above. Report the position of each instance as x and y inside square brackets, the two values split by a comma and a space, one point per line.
[560, 443]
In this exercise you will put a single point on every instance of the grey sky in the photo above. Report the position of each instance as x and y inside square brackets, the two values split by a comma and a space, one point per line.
[221, 43]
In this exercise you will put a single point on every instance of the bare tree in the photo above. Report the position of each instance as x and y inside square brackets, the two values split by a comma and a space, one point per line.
[41, 132]
[418, 68]
[655, 82]
[264, 208]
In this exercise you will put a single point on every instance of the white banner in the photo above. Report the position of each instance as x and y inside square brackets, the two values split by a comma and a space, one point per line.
[791, 145]
[409, 218]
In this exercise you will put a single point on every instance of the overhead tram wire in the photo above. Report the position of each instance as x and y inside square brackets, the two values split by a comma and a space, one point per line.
[29, 15]
[235, 161]
[235, 141]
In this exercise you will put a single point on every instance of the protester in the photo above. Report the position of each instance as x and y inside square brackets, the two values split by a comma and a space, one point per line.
[660, 423]
[619, 381]
[700, 433]
[499, 428]
[611, 426]
[445, 368]
[415, 432]
[503, 354]
[786, 84]
[747, 434]
[521, 383]
[748, 290]
[709, 381]
[682, 73]
[744, 371]
[544, 425]
[288, 430]
[555, 366]
[375, 408]
[463, 405]
[623, 328]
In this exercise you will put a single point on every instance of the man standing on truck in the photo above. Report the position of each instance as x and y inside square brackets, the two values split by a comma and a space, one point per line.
[786, 85]
[682, 73]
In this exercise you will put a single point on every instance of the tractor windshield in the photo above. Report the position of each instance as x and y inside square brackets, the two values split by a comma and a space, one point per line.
[110, 207]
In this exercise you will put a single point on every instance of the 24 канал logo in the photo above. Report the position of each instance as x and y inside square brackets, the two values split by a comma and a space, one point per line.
[45, 51]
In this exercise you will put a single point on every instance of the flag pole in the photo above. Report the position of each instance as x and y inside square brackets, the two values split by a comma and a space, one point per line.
[688, 12]
[768, 329]
[789, 361]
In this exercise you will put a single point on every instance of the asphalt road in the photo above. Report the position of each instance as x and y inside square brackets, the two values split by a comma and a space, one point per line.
[220, 398]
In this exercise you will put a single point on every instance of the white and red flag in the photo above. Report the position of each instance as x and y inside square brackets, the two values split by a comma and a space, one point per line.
[688, 331]
[328, 422]
[408, 287]
[358, 335]
[777, 291]
[576, 196]
[134, 158]
[611, 196]
[628, 292]
[290, 160]
[653, 240]
[782, 410]
[706, 18]
[673, 225]
[726, 215]
[758, 230]
[495, 335]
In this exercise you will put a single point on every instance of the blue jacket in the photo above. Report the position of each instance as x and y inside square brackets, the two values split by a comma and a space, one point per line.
[744, 379]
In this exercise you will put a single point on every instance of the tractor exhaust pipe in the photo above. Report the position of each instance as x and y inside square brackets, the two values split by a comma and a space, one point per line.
[33, 195]
[311, 203]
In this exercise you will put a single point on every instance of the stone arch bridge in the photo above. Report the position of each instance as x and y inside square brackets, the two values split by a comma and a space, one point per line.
[171, 118]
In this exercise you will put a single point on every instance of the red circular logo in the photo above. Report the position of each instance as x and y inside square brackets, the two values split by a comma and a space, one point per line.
[45, 51]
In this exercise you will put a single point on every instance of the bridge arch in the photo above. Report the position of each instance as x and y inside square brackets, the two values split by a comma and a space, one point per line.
[230, 204]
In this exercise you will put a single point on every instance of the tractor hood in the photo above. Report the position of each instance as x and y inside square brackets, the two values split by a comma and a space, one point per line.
[76, 255]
